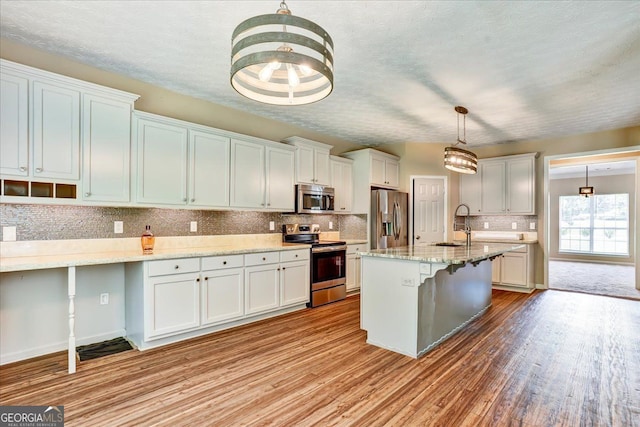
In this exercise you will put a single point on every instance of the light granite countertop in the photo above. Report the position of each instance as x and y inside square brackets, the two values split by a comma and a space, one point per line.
[39, 255]
[445, 254]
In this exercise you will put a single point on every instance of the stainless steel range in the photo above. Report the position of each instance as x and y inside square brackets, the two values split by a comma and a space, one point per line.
[328, 262]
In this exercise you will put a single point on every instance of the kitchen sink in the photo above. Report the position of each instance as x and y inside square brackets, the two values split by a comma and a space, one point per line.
[449, 244]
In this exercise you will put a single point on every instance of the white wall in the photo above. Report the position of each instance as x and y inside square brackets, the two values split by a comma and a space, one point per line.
[34, 310]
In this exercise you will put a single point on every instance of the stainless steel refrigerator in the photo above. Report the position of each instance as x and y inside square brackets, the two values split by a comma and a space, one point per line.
[389, 219]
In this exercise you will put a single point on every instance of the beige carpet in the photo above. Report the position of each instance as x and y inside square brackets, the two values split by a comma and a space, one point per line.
[599, 279]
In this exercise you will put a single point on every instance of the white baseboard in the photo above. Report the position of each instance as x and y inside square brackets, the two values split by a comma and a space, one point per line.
[56, 347]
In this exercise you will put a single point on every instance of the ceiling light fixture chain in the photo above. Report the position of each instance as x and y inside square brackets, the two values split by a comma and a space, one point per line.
[292, 66]
[457, 159]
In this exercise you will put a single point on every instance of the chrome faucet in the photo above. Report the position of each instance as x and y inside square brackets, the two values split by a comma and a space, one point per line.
[466, 227]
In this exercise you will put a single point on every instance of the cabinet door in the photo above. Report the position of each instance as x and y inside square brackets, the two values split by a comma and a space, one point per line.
[392, 173]
[496, 267]
[305, 165]
[294, 283]
[209, 169]
[261, 284]
[493, 187]
[162, 163]
[106, 141]
[56, 132]
[222, 295]
[514, 269]
[342, 181]
[172, 304]
[521, 186]
[471, 191]
[14, 125]
[377, 170]
[353, 272]
[321, 167]
[280, 183]
[247, 174]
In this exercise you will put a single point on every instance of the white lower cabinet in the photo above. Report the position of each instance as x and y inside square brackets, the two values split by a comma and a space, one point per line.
[353, 267]
[172, 297]
[222, 289]
[187, 297]
[514, 269]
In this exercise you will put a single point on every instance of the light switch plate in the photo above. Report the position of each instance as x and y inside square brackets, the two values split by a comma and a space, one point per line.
[486, 225]
[514, 225]
[532, 226]
[118, 227]
[9, 233]
[272, 225]
[193, 226]
[330, 225]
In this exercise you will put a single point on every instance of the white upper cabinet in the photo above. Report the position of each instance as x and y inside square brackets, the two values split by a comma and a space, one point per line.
[14, 124]
[312, 161]
[208, 169]
[502, 186]
[385, 170]
[162, 162]
[56, 131]
[180, 163]
[280, 183]
[262, 175]
[106, 142]
[342, 182]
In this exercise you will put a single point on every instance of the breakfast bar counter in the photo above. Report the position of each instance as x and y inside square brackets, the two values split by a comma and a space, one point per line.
[415, 297]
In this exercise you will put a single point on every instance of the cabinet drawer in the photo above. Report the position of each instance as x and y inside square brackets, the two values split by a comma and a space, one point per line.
[298, 255]
[218, 262]
[174, 266]
[352, 249]
[262, 258]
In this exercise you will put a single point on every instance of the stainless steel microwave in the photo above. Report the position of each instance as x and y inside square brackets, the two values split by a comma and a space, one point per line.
[314, 199]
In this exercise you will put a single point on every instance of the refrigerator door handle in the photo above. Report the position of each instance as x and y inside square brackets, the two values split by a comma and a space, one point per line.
[396, 220]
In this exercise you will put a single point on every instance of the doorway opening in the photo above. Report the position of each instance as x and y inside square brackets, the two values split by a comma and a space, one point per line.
[591, 243]
[428, 211]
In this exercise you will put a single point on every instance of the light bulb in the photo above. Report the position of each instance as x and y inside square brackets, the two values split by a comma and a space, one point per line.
[306, 70]
[294, 80]
[266, 73]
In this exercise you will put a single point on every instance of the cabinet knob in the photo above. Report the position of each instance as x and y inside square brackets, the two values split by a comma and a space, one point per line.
[38, 170]
[283, 268]
[417, 237]
[23, 169]
[296, 255]
[224, 262]
[87, 194]
[184, 200]
[177, 267]
[193, 200]
[264, 259]
[206, 278]
[268, 204]
[198, 279]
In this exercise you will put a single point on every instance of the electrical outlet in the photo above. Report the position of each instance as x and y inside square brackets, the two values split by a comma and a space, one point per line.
[330, 225]
[514, 225]
[9, 233]
[104, 299]
[486, 225]
[272, 225]
[406, 281]
[193, 226]
[118, 227]
[532, 226]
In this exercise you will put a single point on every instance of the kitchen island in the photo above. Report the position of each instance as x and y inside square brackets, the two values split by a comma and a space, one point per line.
[415, 297]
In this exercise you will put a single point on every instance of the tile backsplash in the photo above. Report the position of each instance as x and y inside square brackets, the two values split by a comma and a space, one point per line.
[52, 222]
[503, 222]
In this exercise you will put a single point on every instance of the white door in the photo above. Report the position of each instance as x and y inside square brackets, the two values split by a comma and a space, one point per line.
[209, 169]
[14, 125]
[428, 210]
[56, 132]
[106, 139]
[280, 183]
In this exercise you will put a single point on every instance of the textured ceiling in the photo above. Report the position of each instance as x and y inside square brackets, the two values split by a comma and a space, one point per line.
[525, 70]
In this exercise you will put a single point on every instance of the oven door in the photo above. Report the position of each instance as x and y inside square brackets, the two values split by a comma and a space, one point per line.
[328, 267]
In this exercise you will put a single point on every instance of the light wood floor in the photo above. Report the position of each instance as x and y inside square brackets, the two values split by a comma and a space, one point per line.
[546, 359]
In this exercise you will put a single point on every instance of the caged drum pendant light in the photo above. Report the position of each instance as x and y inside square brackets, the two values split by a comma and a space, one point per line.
[586, 191]
[281, 59]
[457, 159]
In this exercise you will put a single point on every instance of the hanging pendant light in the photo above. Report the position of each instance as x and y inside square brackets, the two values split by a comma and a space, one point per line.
[281, 59]
[586, 191]
[457, 159]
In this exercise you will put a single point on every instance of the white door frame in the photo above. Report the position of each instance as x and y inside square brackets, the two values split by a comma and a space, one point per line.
[547, 218]
[412, 179]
